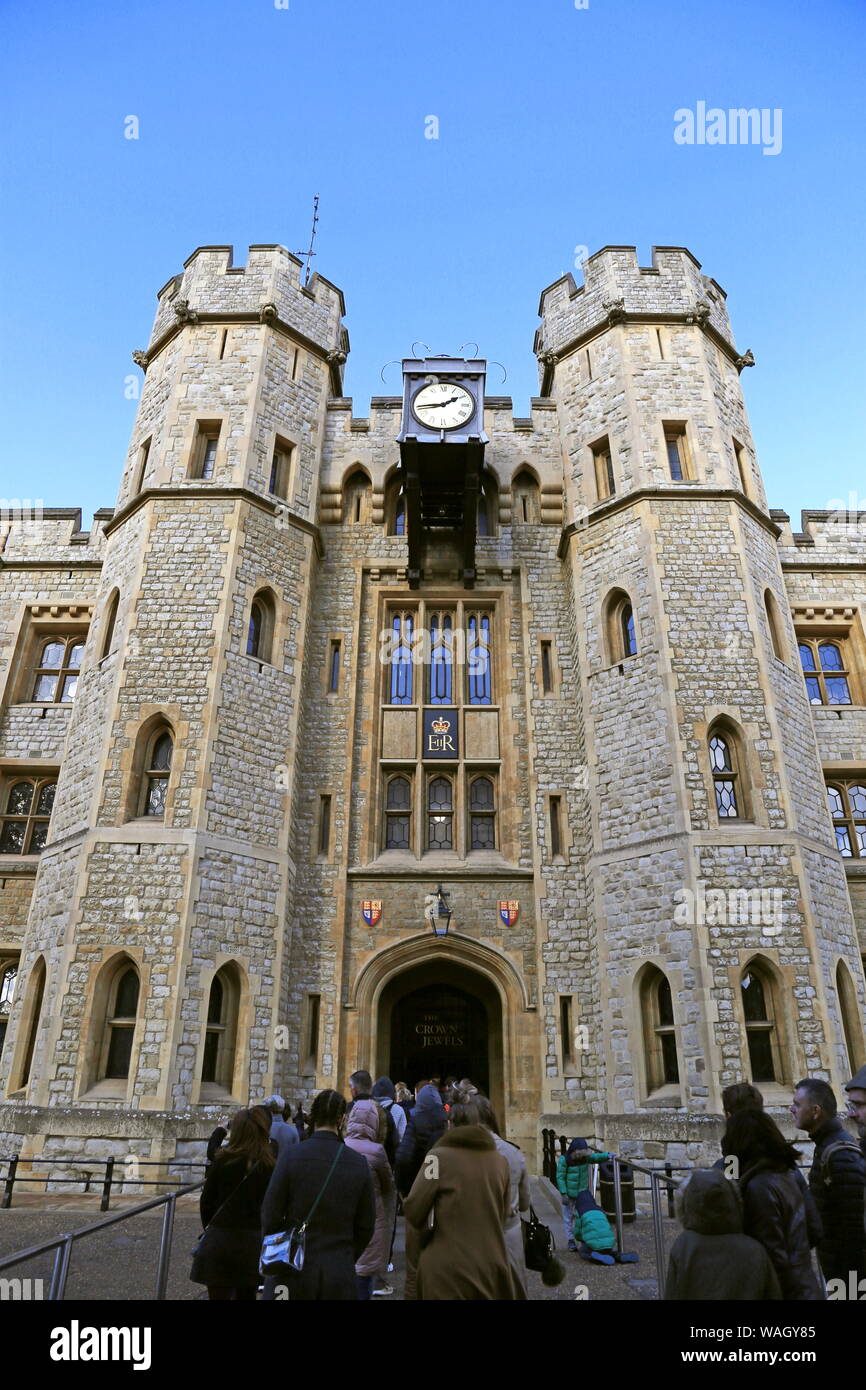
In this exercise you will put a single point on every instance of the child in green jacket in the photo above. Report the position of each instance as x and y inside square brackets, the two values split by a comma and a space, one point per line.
[572, 1178]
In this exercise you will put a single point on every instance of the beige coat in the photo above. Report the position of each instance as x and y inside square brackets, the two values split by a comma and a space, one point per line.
[466, 1184]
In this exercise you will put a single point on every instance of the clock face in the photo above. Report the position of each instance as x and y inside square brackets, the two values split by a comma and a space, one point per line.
[443, 405]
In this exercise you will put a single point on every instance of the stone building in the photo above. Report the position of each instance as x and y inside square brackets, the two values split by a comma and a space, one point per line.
[438, 741]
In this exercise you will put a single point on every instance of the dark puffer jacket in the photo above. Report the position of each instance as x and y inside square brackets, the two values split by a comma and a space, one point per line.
[838, 1187]
[776, 1213]
[427, 1123]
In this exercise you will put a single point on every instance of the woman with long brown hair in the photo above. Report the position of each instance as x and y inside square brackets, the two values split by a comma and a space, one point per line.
[227, 1256]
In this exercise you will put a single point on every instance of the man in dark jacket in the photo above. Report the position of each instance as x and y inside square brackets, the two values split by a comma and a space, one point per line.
[856, 1091]
[427, 1123]
[837, 1180]
[344, 1220]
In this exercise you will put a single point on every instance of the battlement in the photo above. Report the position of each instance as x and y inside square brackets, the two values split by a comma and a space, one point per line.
[615, 285]
[31, 532]
[826, 537]
[267, 287]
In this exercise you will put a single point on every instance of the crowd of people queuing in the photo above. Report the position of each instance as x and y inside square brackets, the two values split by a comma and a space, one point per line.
[340, 1175]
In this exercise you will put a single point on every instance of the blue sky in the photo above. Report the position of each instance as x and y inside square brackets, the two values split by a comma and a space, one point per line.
[555, 131]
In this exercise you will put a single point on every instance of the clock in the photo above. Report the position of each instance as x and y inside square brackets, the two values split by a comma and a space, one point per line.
[443, 405]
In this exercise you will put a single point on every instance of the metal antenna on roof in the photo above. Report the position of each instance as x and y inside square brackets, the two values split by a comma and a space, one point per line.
[308, 255]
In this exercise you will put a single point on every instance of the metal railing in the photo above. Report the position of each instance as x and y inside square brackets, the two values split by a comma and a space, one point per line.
[63, 1245]
[90, 1165]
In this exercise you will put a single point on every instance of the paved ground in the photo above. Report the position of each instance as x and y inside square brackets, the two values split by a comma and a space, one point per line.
[120, 1263]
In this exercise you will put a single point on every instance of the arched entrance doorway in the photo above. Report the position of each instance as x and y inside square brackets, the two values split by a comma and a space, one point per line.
[441, 1018]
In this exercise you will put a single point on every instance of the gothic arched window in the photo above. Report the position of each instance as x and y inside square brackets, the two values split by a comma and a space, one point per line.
[120, 1024]
[757, 996]
[441, 659]
[659, 1030]
[220, 1042]
[157, 773]
[110, 619]
[619, 626]
[479, 658]
[482, 814]
[398, 813]
[440, 813]
[402, 635]
[260, 628]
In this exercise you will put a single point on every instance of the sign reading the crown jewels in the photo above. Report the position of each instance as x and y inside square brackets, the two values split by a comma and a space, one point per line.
[509, 911]
[440, 733]
[372, 911]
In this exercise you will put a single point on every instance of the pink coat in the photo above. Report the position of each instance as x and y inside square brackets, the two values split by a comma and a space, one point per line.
[361, 1134]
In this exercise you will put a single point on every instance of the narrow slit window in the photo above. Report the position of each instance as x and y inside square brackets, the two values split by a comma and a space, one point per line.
[555, 827]
[223, 343]
[565, 1033]
[295, 365]
[661, 345]
[334, 668]
[546, 669]
[314, 1002]
[324, 824]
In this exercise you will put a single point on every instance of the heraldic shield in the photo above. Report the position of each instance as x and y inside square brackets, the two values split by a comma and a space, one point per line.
[372, 911]
[509, 911]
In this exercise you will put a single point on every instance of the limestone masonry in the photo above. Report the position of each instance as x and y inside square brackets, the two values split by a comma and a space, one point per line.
[650, 832]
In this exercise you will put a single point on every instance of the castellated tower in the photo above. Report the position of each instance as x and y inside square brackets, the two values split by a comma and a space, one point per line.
[499, 758]
[169, 848]
[718, 911]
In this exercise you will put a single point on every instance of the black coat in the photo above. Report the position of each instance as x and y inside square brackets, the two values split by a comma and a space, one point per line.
[343, 1223]
[230, 1207]
[840, 1203]
[423, 1128]
[777, 1213]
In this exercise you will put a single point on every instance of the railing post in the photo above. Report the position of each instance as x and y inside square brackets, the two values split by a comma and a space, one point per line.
[617, 1202]
[106, 1186]
[60, 1272]
[165, 1247]
[669, 1188]
[658, 1235]
[10, 1183]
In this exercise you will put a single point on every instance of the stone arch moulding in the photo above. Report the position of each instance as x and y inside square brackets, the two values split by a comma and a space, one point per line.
[462, 951]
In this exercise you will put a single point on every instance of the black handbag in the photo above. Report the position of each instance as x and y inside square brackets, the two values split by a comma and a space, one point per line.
[538, 1243]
